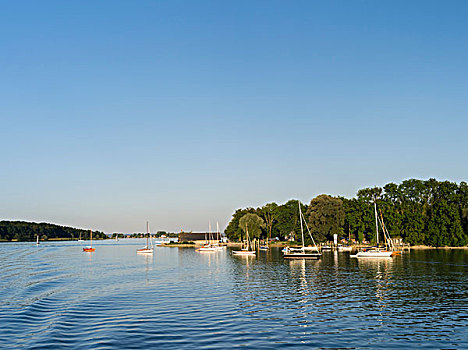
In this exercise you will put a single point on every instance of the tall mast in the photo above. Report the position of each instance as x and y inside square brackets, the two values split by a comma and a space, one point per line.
[217, 231]
[147, 234]
[210, 236]
[91, 231]
[300, 218]
[376, 223]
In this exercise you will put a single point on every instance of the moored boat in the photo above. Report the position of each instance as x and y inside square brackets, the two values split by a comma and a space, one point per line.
[344, 248]
[303, 252]
[146, 249]
[90, 248]
[377, 251]
[247, 249]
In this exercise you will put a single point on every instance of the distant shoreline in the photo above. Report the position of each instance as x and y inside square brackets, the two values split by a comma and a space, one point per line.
[230, 244]
[422, 247]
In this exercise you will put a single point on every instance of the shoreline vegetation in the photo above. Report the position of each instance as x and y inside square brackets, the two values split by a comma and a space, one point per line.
[421, 213]
[22, 231]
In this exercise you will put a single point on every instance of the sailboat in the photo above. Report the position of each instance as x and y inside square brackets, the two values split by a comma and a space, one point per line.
[147, 249]
[375, 252]
[80, 240]
[211, 245]
[90, 247]
[37, 240]
[304, 252]
[264, 246]
[247, 249]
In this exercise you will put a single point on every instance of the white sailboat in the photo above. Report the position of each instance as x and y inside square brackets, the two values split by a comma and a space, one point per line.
[212, 245]
[374, 252]
[147, 249]
[304, 252]
[247, 249]
[37, 240]
[208, 246]
[344, 248]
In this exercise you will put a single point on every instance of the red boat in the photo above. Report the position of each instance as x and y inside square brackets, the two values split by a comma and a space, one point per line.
[90, 247]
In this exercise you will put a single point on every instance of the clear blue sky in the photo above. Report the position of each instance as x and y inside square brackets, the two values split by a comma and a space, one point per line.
[178, 112]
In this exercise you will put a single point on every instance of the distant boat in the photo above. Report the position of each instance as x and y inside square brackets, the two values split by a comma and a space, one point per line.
[304, 252]
[90, 247]
[344, 248]
[247, 249]
[211, 245]
[375, 252]
[146, 249]
[37, 240]
[80, 240]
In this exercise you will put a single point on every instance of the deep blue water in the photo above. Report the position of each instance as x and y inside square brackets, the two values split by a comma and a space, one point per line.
[56, 296]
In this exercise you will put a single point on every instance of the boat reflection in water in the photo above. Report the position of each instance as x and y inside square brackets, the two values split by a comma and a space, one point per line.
[379, 273]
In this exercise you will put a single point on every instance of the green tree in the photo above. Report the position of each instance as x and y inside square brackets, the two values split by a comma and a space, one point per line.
[287, 219]
[233, 231]
[269, 213]
[444, 226]
[326, 217]
[253, 223]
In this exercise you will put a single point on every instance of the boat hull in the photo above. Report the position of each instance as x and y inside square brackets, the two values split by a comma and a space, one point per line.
[373, 254]
[345, 249]
[210, 248]
[302, 256]
[89, 249]
[240, 252]
[145, 251]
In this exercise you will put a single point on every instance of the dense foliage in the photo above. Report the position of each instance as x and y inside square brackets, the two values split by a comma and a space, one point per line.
[253, 224]
[426, 212]
[27, 231]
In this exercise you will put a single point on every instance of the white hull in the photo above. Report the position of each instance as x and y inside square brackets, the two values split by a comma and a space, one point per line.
[145, 251]
[244, 252]
[210, 248]
[345, 249]
[302, 256]
[373, 254]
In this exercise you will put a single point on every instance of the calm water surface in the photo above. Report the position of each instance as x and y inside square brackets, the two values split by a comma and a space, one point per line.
[54, 295]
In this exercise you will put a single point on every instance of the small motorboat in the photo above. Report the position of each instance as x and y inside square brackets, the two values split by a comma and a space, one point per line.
[90, 247]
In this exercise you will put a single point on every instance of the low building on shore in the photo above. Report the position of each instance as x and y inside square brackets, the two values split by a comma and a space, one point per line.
[199, 237]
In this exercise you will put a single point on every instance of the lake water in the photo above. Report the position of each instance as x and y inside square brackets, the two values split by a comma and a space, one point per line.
[55, 295]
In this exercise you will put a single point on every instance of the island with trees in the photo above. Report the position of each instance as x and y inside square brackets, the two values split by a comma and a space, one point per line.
[420, 212]
[28, 231]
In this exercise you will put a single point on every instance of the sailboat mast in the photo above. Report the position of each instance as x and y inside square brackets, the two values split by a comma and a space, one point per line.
[147, 234]
[300, 219]
[91, 233]
[210, 236]
[376, 222]
[217, 231]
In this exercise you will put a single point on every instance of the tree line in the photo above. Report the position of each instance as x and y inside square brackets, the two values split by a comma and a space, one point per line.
[427, 212]
[28, 231]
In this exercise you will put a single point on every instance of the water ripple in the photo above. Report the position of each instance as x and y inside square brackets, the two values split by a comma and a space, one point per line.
[57, 296]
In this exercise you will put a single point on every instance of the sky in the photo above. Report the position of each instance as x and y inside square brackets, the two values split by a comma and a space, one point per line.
[114, 113]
